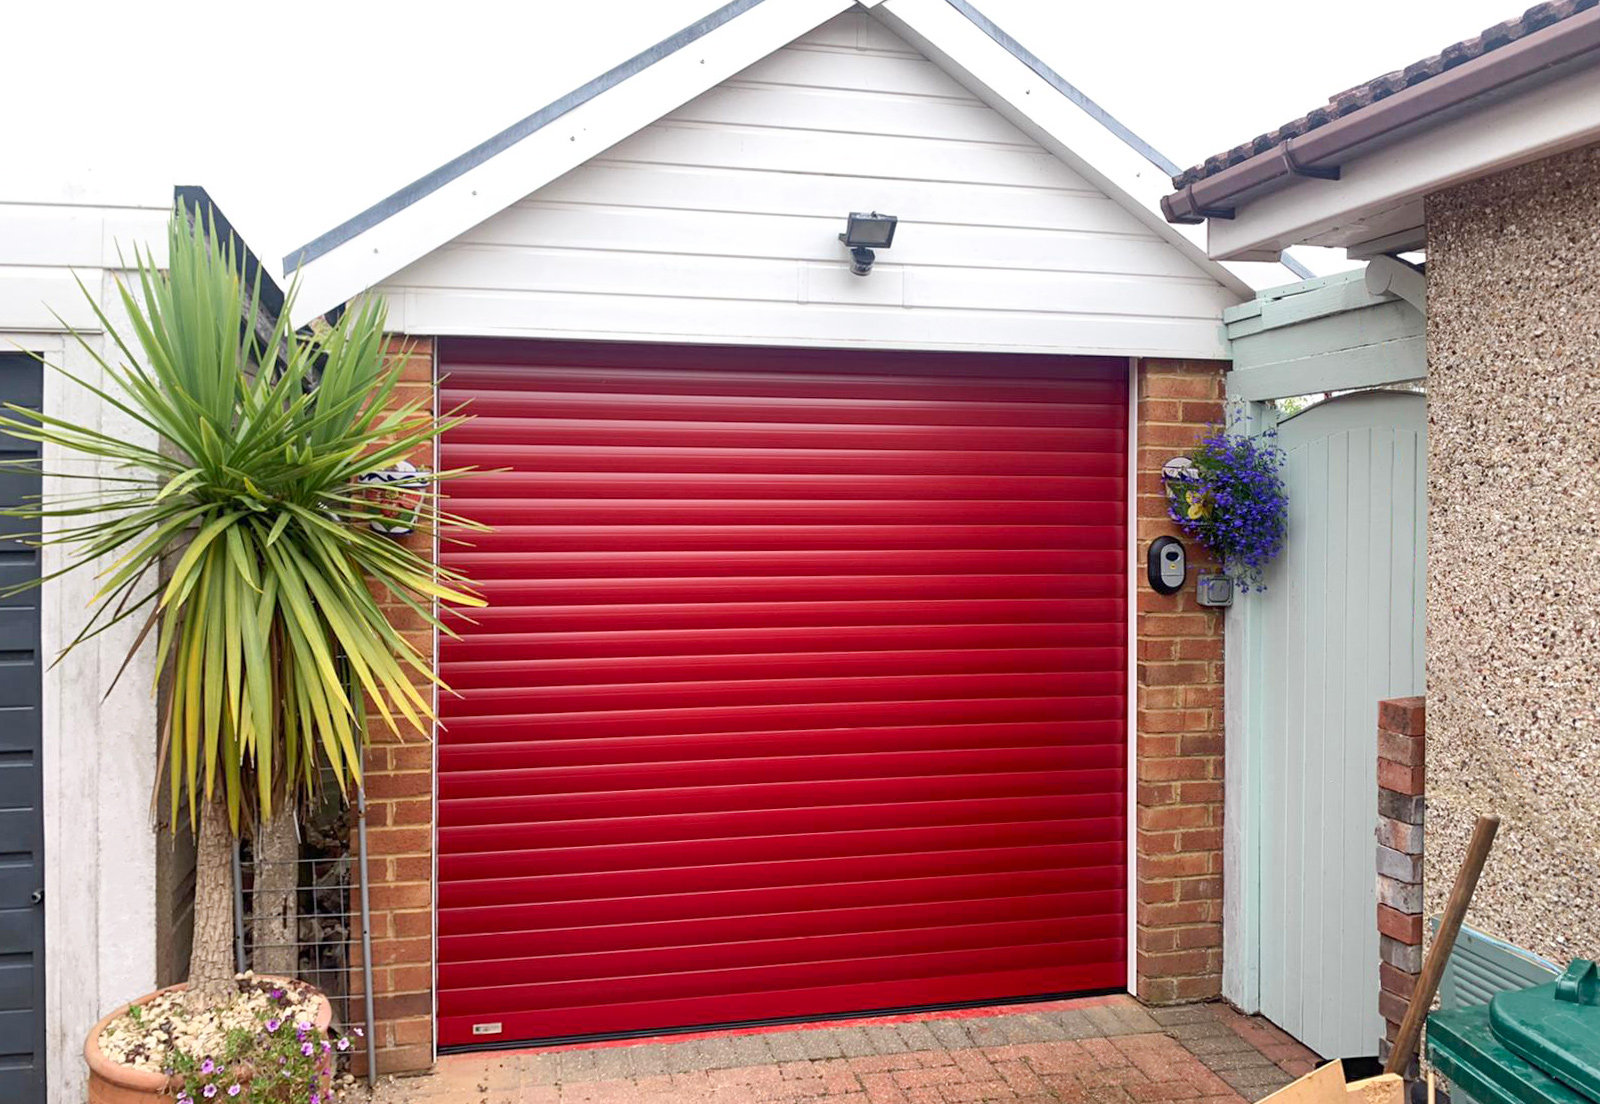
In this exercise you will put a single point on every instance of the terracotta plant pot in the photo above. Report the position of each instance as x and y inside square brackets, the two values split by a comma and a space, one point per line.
[112, 1083]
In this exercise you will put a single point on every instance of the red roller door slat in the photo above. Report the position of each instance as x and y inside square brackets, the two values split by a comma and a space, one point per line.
[742, 823]
[526, 456]
[816, 741]
[801, 689]
[736, 929]
[487, 673]
[482, 645]
[704, 485]
[663, 722]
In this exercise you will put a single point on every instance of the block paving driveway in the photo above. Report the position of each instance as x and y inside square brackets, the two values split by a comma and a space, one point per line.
[1108, 1049]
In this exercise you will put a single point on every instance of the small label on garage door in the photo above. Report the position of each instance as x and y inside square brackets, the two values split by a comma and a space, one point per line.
[486, 1029]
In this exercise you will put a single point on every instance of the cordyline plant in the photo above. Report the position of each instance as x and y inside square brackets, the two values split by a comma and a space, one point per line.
[1233, 502]
[241, 540]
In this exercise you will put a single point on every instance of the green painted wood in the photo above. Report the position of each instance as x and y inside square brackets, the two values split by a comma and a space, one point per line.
[1285, 306]
[1337, 370]
[1338, 629]
[1370, 325]
[1330, 334]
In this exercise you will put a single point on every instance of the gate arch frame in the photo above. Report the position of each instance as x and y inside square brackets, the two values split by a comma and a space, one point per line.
[1353, 331]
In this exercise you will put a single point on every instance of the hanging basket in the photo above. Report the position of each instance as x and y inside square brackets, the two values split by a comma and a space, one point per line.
[1227, 495]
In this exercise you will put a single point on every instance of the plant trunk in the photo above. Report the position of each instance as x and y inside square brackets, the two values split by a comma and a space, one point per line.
[211, 980]
[275, 919]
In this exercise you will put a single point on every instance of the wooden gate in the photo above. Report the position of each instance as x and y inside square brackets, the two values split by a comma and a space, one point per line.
[1339, 628]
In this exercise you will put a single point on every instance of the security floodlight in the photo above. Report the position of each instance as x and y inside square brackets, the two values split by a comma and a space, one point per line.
[864, 233]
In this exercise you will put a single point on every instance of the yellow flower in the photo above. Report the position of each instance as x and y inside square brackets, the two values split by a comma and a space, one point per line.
[1199, 507]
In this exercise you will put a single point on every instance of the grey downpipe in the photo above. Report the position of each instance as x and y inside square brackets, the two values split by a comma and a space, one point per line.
[238, 909]
[366, 926]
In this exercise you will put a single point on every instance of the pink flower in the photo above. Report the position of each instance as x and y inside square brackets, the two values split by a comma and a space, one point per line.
[233, 1090]
[210, 1091]
[306, 1049]
[344, 1044]
[273, 1025]
[208, 1066]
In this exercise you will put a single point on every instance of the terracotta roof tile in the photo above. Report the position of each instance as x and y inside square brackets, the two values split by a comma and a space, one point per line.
[1362, 95]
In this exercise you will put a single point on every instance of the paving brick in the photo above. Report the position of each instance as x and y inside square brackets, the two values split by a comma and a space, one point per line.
[1183, 1014]
[854, 1042]
[938, 1061]
[1106, 1019]
[821, 1044]
[1075, 1024]
[916, 1036]
[1228, 1043]
[885, 1039]
[786, 1046]
[987, 1031]
[1135, 1017]
[951, 1033]
[1198, 1029]
[611, 1063]
[575, 1065]
[733, 1051]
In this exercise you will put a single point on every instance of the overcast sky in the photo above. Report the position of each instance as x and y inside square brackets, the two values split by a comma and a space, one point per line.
[298, 113]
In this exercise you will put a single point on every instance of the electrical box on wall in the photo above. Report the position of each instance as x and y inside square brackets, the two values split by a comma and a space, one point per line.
[1214, 589]
[1168, 565]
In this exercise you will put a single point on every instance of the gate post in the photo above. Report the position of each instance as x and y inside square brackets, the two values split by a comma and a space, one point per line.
[1402, 735]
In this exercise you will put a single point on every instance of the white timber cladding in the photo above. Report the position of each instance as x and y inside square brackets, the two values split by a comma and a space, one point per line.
[99, 750]
[719, 223]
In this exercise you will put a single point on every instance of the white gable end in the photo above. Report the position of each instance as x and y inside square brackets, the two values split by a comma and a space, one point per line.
[719, 221]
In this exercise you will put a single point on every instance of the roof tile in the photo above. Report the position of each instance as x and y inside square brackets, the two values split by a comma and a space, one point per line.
[1363, 95]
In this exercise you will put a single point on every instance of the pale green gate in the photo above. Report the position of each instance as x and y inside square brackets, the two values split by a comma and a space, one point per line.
[1339, 628]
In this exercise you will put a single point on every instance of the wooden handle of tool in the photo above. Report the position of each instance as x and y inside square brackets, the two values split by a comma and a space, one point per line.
[1439, 954]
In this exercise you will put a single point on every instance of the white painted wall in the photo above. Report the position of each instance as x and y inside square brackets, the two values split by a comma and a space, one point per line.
[719, 223]
[99, 756]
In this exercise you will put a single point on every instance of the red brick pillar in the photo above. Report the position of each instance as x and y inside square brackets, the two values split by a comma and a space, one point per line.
[400, 824]
[1179, 711]
[1402, 728]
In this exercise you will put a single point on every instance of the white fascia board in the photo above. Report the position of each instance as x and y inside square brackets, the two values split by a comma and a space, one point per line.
[1376, 190]
[1039, 110]
[413, 231]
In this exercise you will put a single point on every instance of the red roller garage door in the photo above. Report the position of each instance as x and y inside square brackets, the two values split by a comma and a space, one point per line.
[801, 690]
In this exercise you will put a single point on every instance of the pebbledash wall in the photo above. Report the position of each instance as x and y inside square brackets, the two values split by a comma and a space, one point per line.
[1514, 547]
[1177, 909]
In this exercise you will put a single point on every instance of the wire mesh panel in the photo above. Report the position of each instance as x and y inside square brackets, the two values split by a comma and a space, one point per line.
[297, 911]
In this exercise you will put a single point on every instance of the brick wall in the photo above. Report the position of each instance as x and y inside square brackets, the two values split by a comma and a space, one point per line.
[1179, 713]
[400, 827]
[1402, 759]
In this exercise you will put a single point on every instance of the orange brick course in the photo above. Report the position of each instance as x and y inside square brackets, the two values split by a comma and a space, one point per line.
[399, 784]
[1178, 719]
